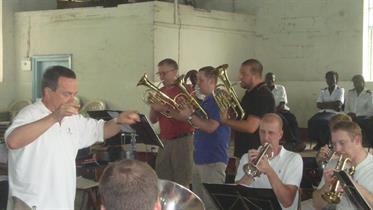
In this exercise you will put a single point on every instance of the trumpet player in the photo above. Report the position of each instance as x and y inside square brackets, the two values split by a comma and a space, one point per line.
[211, 139]
[281, 170]
[347, 140]
[175, 162]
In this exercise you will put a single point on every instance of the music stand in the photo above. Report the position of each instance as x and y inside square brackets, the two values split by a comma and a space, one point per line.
[352, 192]
[143, 129]
[238, 197]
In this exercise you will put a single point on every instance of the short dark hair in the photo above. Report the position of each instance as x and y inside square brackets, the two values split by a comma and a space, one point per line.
[192, 76]
[128, 185]
[358, 77]
[209, 72]
[256, 66]
[332, 73]
[169, 62]
[52, 74]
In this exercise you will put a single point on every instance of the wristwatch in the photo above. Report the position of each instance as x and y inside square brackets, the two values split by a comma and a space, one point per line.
[189, 119]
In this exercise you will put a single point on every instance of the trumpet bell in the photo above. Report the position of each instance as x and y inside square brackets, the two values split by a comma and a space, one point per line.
[174, 196]
[251, 170]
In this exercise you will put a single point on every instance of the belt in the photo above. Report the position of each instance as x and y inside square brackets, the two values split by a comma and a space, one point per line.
[180, 136]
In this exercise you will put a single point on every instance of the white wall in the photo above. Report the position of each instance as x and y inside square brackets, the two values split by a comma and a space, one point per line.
[113, 47]
[8, 85]
[299, 40]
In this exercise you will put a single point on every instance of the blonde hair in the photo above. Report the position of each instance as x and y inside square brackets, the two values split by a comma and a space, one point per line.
[352, 128]
[337, 118]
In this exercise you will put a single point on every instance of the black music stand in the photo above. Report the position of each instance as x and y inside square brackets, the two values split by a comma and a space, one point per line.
[143, 129]
[352, 192]
[238, 197]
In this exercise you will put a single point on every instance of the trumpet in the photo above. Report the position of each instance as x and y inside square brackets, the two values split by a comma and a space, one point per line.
[155, 95]
[226, 97]
[189, 98]
[251, 169]
[333, 196]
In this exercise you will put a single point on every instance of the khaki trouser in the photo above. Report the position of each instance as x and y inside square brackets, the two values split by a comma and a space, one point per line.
[17, 204]
[213, 173]
[175, 161]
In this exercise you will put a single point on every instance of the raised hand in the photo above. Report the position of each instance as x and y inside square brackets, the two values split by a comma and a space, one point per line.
[128, 117]
[66, 109]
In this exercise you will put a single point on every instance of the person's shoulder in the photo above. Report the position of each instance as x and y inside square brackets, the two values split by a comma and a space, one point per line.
[292, 155]
[368, 92]
[340, 88]
[279, 86]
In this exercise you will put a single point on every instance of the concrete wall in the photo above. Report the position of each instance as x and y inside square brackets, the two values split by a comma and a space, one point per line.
[300, 40]
[113, 47]
[8, 84]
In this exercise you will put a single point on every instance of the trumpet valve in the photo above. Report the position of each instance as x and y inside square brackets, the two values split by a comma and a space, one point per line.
[332, 197]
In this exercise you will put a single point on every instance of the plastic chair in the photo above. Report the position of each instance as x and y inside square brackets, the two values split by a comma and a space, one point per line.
[16, 106]
[92, 106]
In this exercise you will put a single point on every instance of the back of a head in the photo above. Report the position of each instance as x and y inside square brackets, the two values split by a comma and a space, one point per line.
[129, 185]
[53, 73]
[256, 66]
[169, 62]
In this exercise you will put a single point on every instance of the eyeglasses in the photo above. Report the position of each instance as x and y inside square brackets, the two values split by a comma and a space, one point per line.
[164, 72]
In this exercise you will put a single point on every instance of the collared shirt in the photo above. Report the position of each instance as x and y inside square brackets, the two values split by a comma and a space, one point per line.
[257, 102]
[169, 127]
[363, 176]
[279, 93]
[361, 105]
[336, 95]
[288, 167]
[43, 173]
[211, 147]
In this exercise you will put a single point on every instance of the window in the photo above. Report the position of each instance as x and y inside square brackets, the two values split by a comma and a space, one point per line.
[368, 40]
[39, 64]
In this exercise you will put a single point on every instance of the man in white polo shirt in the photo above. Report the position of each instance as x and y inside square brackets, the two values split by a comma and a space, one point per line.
[282, 172]
[43, 142]
[347, 140]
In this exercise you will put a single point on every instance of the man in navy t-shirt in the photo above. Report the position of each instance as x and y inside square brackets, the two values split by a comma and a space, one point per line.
[211, 138]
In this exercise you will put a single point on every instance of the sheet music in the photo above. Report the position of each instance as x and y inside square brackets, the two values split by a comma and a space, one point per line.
[351, 191]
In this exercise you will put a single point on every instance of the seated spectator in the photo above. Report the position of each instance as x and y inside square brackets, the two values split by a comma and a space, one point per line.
[129, 185]
[291, 129]
[359, 105]
[329, 102]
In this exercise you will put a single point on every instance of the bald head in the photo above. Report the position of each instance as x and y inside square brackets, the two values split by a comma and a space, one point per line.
[270, 130]
[272, 118]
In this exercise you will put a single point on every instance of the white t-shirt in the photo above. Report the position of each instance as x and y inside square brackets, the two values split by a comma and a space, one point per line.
[361, 105]
[363, 175]
[279, 93]
[43, 173]
[336, 95]
[288, 167]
